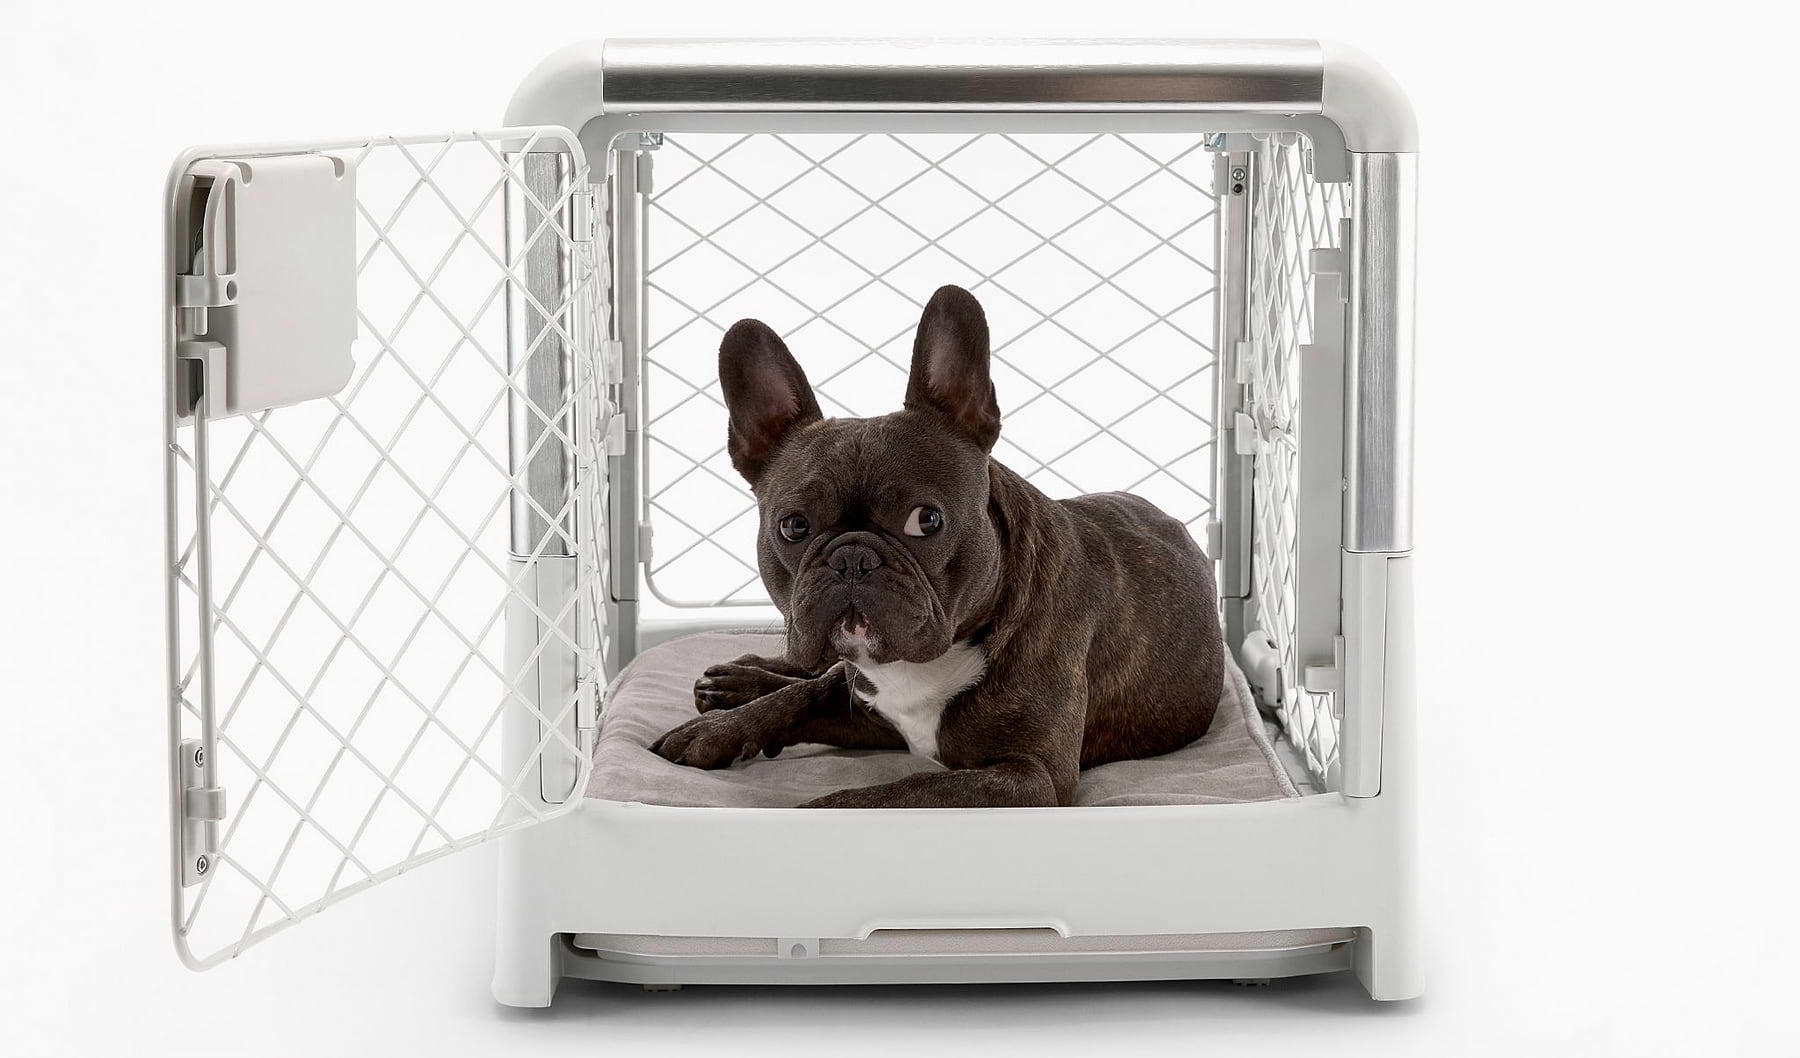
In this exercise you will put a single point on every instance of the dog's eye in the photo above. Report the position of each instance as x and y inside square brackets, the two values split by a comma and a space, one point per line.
[794, 528]
[923, 521]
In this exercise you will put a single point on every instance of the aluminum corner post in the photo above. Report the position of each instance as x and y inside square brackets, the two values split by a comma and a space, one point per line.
[1235, 181]
[1378, 420]
[540, 358]
[629, 170]
[543, 332]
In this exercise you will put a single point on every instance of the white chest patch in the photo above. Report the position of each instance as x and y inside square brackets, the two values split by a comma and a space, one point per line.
[912, 695]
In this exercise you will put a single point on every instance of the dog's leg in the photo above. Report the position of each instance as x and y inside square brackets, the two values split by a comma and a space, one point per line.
[800, 710]
[1009, 784]
[730, 684]
[845, 727]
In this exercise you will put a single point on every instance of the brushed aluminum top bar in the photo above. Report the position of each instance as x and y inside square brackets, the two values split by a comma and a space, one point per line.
[1281, 76]
[591, 79]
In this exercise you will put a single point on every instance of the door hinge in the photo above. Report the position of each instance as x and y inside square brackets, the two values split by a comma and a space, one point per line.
[587, 703]
[194, 294]
[1243, 435]
[614, 439]
[582, 223]
[1262, 668]
[1231, 164]
[202, 807]
[646, 171]
[614, 418]
[645, 532]
[1329, 261]
[612, 361]
[641, 144]
[1328, 679]
[208, 382]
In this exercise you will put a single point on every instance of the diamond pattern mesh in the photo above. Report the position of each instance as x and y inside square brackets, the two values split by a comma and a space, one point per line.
[1094, 256]
[358, 557]
[1293, 215]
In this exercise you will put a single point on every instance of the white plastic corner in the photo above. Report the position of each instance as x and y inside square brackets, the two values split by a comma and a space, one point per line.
[1366, 103]
[564, 89]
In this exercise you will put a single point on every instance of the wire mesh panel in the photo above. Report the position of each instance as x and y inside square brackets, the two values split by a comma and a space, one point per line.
[1292, 215]
[1094, 256]
[343, 568]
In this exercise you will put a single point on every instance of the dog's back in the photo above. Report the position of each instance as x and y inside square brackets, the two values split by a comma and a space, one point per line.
[1147, 695]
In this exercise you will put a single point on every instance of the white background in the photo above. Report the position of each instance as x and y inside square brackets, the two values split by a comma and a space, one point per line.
[1607, 371]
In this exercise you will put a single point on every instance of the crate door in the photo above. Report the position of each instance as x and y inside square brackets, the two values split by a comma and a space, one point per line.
[385, 566]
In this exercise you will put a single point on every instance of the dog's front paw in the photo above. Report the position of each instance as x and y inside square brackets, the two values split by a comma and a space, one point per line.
[713, 740]
[734, 683]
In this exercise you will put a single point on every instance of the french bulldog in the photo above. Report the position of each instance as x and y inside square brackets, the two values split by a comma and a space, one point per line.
[937, 602]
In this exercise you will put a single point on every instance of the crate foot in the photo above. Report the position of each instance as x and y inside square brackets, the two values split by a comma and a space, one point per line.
[662, 988]
[1250, 982]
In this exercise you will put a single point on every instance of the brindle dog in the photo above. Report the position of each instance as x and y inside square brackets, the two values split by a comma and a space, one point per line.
[938, 602]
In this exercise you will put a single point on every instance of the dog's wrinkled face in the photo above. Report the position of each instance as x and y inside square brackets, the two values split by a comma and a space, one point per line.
[876, 542]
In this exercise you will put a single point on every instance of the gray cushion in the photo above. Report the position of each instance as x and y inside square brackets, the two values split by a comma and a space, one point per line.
[1233, 762]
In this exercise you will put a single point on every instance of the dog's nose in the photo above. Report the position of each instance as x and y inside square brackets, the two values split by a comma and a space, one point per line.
[853, 562]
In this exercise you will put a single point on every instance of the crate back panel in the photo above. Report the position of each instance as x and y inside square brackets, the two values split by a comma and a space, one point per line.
[1094, 256]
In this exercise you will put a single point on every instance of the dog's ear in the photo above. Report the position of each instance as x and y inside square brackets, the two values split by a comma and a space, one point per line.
[950, 366]
[766, 394]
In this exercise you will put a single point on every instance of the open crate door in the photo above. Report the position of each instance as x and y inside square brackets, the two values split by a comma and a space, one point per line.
[385, 478]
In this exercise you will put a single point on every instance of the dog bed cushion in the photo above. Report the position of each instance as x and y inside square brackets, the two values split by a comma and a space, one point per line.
[1234, 761]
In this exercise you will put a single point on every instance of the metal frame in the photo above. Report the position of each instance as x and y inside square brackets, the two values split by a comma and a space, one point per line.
[1379, 414]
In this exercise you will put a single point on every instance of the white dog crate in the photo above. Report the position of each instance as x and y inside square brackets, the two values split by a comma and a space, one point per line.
[445, 454]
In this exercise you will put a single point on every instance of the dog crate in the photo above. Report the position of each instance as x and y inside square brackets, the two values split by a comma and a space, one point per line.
[445, 455]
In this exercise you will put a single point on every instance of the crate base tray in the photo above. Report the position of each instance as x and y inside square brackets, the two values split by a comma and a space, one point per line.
[954, 956]
[1236, 761]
